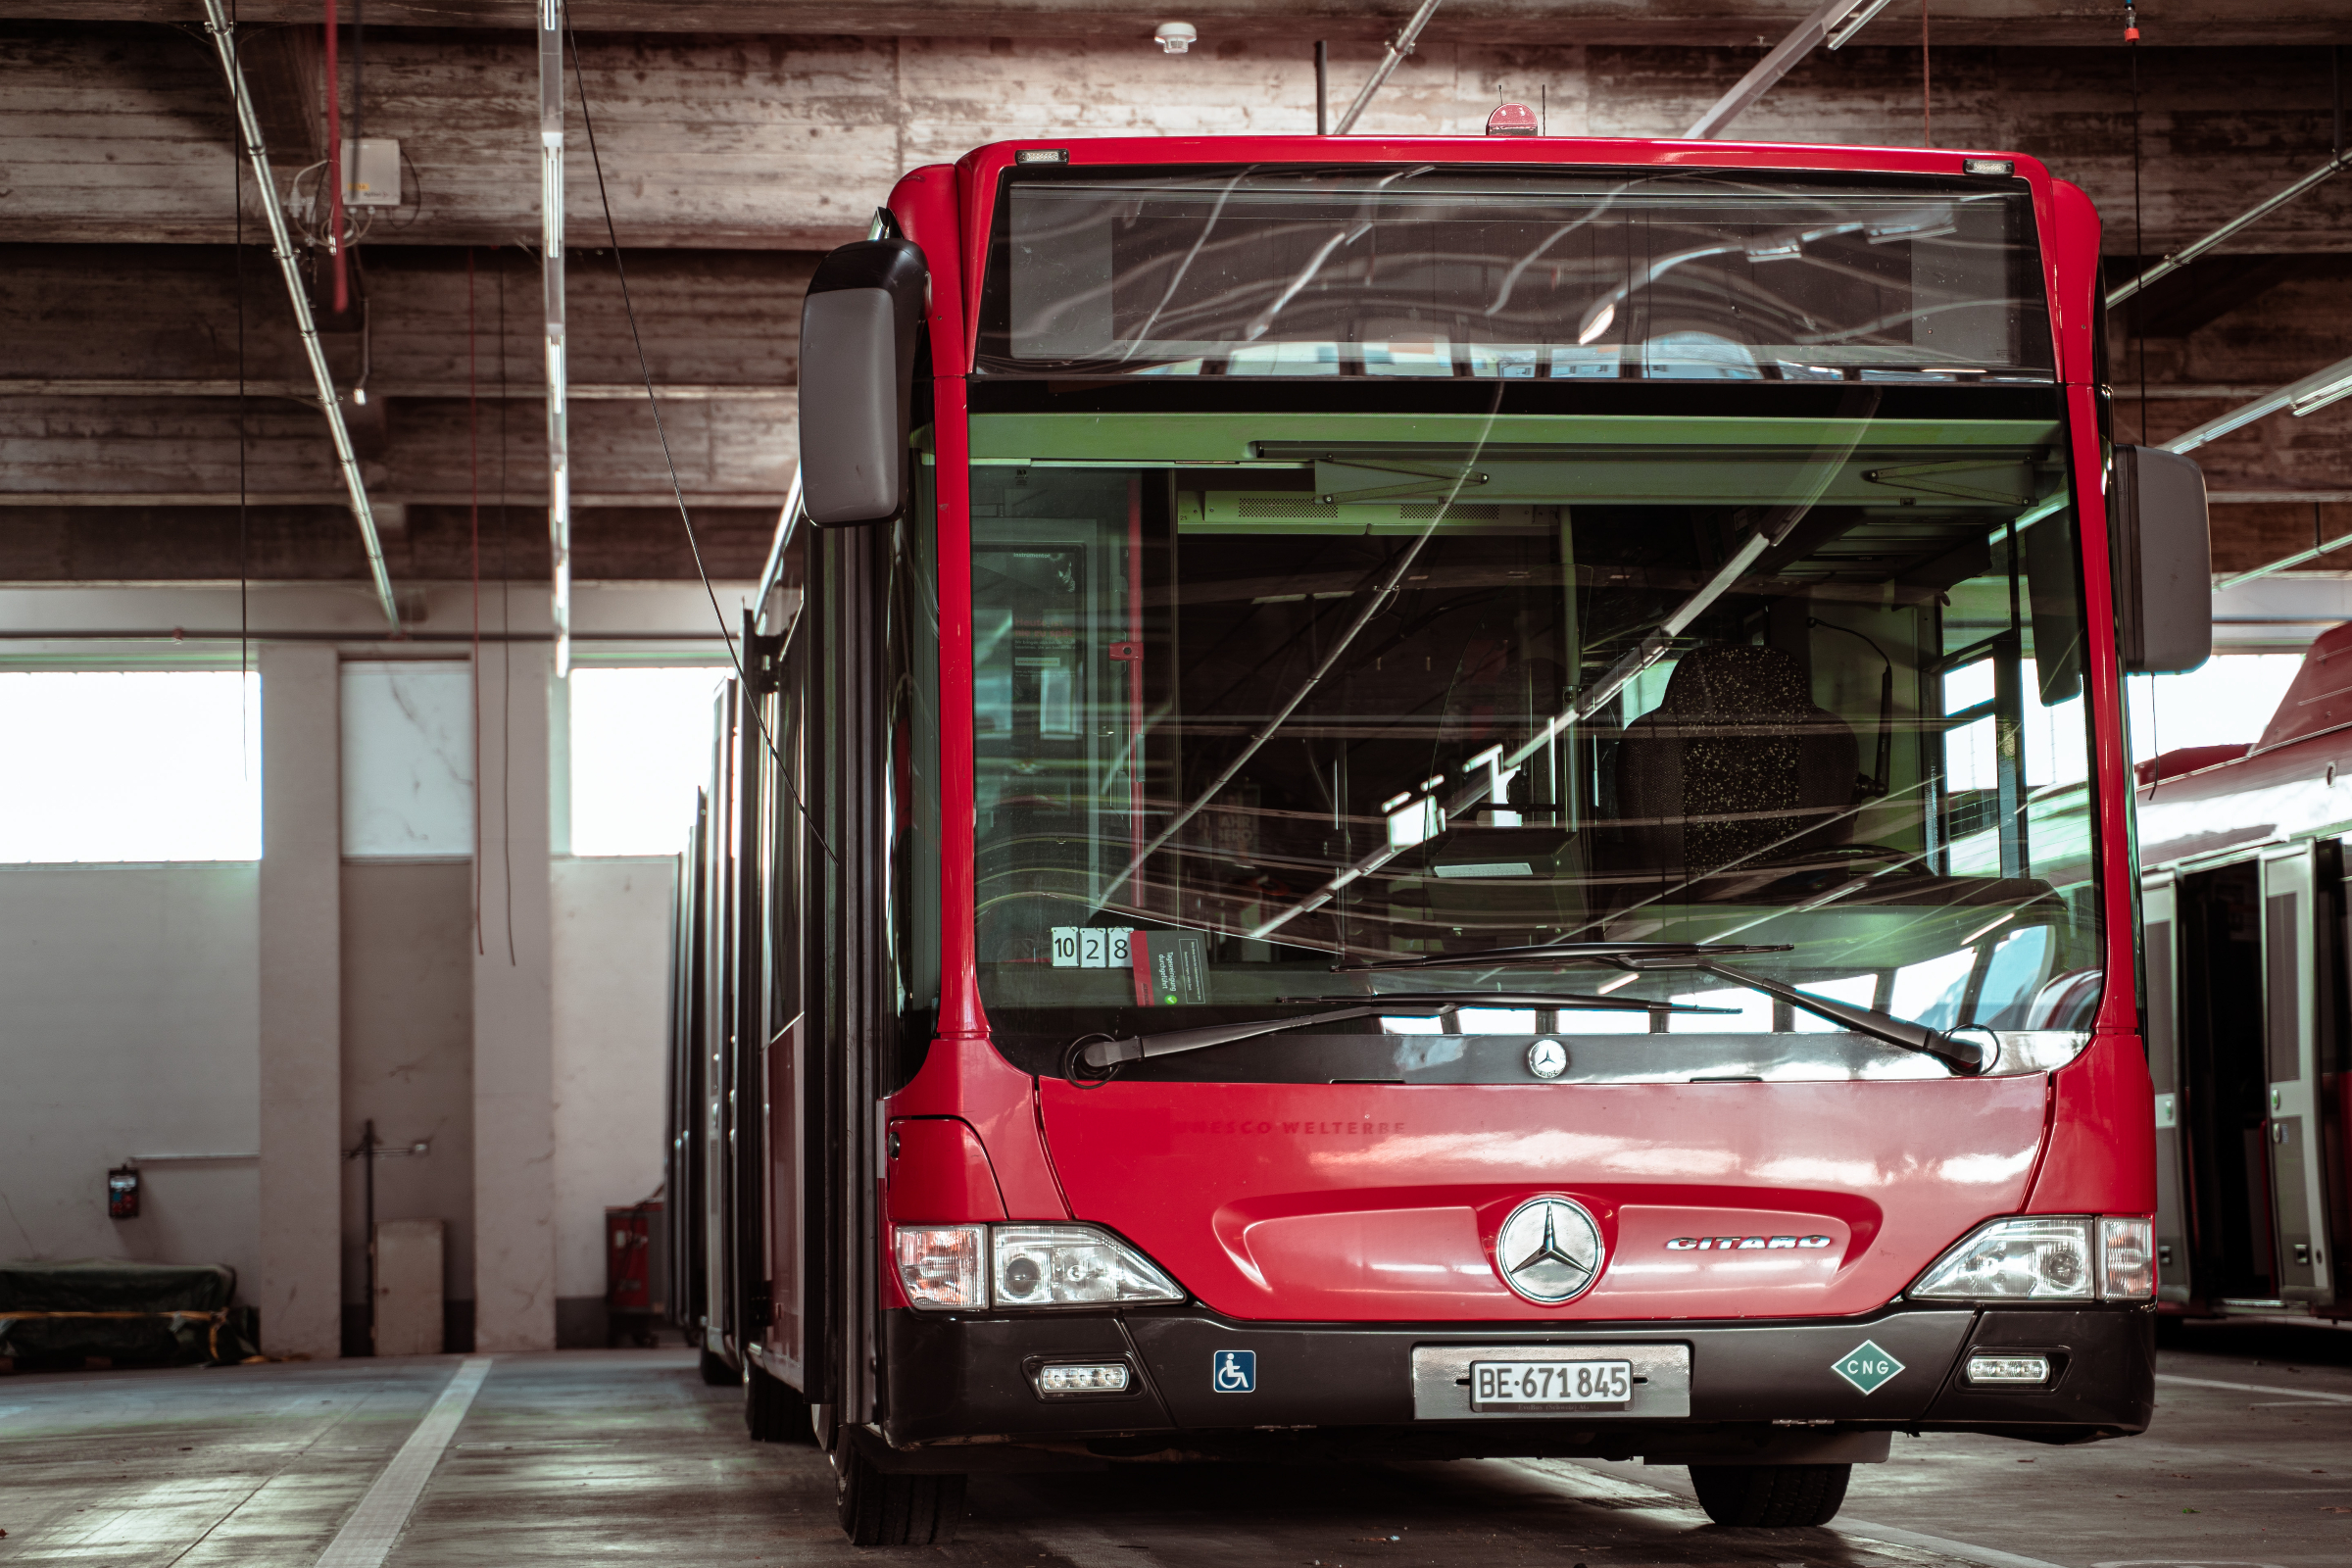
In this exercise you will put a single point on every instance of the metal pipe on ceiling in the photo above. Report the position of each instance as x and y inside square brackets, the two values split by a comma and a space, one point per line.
[282, 245]
[2244, 220]
[1397, 50]
[2307, 396]
[1783, 58]
[2313, 393]
[551, 277]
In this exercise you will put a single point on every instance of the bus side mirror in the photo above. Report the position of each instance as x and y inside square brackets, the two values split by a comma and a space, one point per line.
[2163, 558]
[858, 329]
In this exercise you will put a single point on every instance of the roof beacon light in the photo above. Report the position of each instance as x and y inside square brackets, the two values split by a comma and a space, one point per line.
[1512, 120]
[1175, 37]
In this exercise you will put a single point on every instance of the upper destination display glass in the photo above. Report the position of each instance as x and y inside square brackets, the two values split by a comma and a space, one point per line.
[1561, 276]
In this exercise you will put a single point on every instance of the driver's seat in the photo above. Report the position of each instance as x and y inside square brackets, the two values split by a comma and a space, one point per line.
[1736, 766]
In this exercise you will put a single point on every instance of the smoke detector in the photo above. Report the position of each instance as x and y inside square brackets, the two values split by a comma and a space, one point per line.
[1175, 37]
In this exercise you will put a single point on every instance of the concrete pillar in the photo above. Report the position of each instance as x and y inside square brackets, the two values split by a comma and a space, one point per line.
[514, 1036]
[300, 915]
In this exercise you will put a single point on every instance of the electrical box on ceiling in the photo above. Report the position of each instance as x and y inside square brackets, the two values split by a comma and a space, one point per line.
[371, 172]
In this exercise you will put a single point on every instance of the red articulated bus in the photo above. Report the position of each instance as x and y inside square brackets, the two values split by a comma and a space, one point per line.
[2249, 997]
[1435, 798]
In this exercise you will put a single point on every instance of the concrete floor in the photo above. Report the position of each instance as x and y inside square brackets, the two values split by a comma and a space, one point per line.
[626, 1456]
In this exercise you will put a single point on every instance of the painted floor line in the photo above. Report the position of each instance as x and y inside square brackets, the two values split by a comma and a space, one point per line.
[1085, 1547]
[1964, 1550]
[366, 1536]
[1890, 1535]
[2255, 1388]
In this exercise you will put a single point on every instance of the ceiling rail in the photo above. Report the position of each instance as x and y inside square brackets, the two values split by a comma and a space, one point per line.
[282, 245]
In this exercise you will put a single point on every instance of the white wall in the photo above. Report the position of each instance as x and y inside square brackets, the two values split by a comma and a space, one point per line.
[128, 1026]
[611, 979]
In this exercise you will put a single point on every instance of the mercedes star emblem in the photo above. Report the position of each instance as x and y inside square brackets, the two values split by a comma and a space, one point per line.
[1548, 1249]
[1547, 1058]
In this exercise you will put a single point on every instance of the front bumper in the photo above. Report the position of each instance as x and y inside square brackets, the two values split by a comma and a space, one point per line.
[1757, 1391]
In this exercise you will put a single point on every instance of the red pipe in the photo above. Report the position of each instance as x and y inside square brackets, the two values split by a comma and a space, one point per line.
[334, 164]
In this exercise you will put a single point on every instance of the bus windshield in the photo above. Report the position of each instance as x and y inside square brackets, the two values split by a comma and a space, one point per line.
[1292, 696]
[1542, 274]
[1250, 739]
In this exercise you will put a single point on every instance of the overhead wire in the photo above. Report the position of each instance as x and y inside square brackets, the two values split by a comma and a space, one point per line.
[677, 490]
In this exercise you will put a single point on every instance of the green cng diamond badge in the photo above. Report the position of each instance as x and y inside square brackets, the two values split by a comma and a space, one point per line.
[1866, 1366]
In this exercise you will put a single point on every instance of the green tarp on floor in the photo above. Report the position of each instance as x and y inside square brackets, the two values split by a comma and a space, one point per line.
[146, 1312]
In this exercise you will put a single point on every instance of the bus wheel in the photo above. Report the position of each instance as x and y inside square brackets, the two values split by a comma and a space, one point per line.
[714, 1369]
[774, 1411]
[879, 1509]
[1771, 1494]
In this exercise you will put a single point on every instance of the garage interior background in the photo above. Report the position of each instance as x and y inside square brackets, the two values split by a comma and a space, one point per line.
[274, 1007]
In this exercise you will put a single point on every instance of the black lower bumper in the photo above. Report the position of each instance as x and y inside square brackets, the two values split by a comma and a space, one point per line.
[1757, 1391]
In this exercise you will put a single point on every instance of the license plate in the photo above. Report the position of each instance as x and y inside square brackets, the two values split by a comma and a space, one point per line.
[1528, 1385]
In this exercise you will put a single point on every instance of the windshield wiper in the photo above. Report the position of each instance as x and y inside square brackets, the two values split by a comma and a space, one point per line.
[1967, 1057]
[1609, 952]
[1105, 1057]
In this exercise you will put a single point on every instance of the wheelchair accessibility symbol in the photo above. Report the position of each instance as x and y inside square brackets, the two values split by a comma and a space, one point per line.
[1236, 1372]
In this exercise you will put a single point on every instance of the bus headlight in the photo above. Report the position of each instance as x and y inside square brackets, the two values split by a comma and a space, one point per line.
[2047, 1258]
[1071, 1265]
[970, 1268]
[2037, 1260]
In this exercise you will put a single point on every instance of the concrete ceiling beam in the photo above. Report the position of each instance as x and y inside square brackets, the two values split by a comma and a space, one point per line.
[1717, 24]
[117, 135]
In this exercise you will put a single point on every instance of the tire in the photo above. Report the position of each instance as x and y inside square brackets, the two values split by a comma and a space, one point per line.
[879, 1509]
[714, 1369]
[774, 1411]
[1771, 1496]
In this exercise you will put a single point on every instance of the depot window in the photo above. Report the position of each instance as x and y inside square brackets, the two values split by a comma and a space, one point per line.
[641, 741]
[130, 765]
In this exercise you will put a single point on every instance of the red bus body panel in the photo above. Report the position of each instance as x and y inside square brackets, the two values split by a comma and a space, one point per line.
[1351, 1203]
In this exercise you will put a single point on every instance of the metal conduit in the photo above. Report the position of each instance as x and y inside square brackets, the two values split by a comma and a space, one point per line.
[2307, 396]
[1396, 52]
[551, 276]
[282, 245]
[1784, 58]
[2244, 220]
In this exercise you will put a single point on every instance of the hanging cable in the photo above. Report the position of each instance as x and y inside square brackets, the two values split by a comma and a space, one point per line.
[677, 492]
[2139, 243]
[506, 645]
[334, 164]
[237, 177]
[473, 537]
[1926, 107]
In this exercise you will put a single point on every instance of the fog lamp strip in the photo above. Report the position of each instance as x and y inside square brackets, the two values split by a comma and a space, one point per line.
[366, 1536]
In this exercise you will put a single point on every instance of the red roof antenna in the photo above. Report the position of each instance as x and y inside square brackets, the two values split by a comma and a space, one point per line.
[1511, 120]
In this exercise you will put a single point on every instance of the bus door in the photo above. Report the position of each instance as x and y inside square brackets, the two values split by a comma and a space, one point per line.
[2300, 883]
[719, 1175]
[774, 840]
[2176, 1277]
